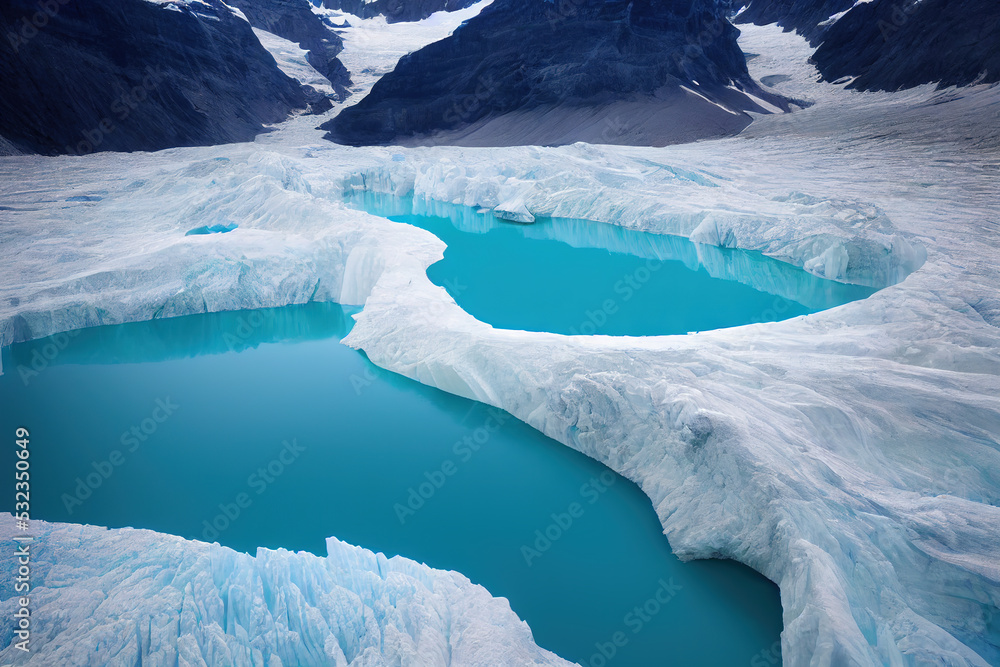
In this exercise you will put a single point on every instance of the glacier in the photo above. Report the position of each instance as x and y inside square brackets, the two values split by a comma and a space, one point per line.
[292, 59]
[373, 46]
[126, 597]
[851, 456]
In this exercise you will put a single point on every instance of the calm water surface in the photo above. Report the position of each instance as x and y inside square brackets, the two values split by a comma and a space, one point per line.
[169, 424]
[581, 277]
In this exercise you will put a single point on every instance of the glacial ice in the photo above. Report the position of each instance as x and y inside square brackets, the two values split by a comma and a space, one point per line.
[127, 597]
[851, 456]
[515, 211]
[211, 229]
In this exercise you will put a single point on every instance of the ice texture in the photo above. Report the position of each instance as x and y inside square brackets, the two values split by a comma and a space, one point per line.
[127, 597]
[851, 456]
[515, 211]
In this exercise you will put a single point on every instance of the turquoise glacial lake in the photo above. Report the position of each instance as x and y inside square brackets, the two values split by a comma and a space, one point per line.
[581, 277]
[174, 424]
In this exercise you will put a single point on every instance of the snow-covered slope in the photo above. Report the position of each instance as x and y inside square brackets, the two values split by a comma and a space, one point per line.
[128, 597]
[296, 21]
[293, 60]
[851, 456]
[373, 46]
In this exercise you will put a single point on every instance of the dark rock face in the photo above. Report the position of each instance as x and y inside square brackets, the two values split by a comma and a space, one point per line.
[893, 44]
[295, 21]
[397, 10]
[531, 71]
[802, 16]
[131, 75]
[317, 101]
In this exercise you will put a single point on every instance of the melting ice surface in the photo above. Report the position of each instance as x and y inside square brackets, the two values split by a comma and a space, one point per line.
[367, 444]
[581, 277]
[212, 229]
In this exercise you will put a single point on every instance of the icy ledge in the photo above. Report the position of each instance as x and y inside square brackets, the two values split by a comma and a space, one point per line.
[128, 597]
[838, 239]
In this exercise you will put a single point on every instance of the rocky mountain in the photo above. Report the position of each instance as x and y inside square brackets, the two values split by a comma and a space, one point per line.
[888, 44]
[650, 72]
[803, 16]
[397, 10]
[295, 21]
[893, 44]
[126, 75]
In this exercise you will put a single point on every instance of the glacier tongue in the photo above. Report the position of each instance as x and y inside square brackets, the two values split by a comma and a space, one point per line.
[127, 597]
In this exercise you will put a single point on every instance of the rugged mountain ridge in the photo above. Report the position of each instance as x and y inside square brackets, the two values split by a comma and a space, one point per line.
[893, 44]
[529, 71]
[802, 16]
[889, 45]
[127, 75]
[396, 11]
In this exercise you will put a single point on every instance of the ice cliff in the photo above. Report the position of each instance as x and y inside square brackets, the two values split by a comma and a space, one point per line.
[127, 597]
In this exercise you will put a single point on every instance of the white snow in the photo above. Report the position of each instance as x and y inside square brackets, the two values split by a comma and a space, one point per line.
[770, 108]
[126, 597]
[372, 47]
[833, 18]
[237, 11]
[851, 456]
[176, 4]
[697, 94]
[291, 59]
[193, 6]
